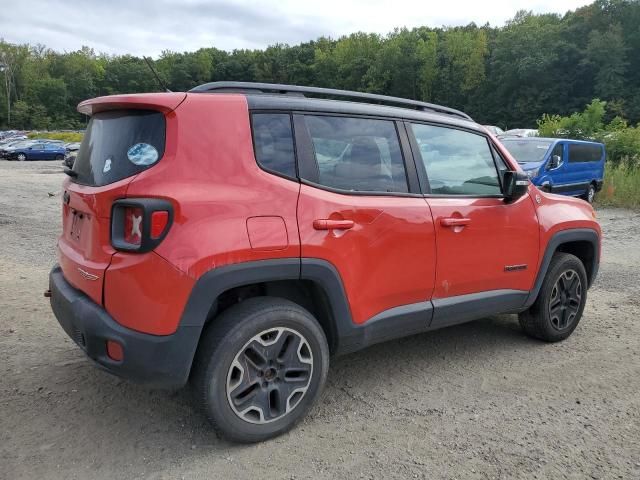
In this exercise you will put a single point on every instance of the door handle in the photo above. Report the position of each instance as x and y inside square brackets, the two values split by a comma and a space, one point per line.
[326, 224]
[455, 222]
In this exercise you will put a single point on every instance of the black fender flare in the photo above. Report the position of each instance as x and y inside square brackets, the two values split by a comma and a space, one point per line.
[559, 238]
[344, 335]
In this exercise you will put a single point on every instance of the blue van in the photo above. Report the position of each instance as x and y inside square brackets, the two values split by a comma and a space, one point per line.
[559, 165]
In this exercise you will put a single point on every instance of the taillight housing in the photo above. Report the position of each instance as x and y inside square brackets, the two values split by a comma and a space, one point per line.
[140, 224]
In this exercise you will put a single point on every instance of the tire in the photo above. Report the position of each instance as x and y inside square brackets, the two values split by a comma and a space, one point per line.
[59, 157]
[21, 157]
[551, 321]
[242, 359]
[590, 194]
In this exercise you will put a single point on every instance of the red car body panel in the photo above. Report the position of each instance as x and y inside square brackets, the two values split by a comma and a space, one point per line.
[378, 271]
[477, 257]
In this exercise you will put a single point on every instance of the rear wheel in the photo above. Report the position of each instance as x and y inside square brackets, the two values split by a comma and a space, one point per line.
[21, 157]
[59, 157]
[590, 194]
[259, 368]
[560, 303]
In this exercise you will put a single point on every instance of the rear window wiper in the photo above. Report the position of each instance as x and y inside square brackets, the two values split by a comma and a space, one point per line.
[70, 172]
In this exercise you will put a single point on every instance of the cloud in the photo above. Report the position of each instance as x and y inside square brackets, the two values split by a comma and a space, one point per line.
[147, 27]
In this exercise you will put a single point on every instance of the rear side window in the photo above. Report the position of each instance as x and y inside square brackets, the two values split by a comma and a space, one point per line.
[357, 154]
[457, 162]
[119, 144]
[273, 142]
[582, 152]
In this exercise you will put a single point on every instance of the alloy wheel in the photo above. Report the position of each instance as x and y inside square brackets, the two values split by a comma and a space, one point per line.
[269, 375]
[566, 298]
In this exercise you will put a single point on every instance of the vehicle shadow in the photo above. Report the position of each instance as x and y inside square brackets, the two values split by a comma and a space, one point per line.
[89, 410]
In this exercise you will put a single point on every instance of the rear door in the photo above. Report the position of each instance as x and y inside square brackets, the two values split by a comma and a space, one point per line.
[487, 248]
[117, 145]
[361, 210]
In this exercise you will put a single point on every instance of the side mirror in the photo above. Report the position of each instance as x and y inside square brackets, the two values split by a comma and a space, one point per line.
[515, 185]
[555, 162]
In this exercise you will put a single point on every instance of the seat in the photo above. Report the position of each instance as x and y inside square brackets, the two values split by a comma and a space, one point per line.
[363, 168]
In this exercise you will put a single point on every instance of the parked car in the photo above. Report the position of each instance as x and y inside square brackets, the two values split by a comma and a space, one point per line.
[568, 167]
[520, 132]
[69, 159]
[37, 151]
[494, 130]
[237, 236]
[72, 147]
[13, 145]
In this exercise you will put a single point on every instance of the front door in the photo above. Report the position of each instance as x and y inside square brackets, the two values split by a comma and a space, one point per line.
[356, 211]
[487, 248]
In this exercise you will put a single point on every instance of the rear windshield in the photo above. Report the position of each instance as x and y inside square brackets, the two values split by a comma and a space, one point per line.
[525, 151]
[119, 144]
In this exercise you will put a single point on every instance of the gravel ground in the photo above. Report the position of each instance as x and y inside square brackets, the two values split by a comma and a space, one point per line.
[479, 400]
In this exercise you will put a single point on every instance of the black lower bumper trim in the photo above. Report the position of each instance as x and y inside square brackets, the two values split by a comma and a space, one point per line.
[159, 361]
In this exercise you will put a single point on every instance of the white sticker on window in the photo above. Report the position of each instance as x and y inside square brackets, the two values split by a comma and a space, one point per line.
[142, 154]
[107, 165]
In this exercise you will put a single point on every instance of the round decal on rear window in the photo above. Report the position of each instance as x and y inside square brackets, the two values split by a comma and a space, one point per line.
[142, 154]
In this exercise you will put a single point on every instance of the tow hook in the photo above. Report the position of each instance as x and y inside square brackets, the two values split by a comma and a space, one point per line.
[47, 293]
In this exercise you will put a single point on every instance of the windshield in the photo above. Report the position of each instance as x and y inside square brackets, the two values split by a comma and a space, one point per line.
[525, 151]
[119, 144]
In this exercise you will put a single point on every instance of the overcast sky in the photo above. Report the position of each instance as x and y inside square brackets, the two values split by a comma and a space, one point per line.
[147, 27]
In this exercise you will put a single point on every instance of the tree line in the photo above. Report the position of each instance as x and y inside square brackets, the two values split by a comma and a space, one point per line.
[508, 76]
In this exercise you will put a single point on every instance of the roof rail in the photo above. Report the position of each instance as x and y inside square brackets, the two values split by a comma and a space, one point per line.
[250, 87]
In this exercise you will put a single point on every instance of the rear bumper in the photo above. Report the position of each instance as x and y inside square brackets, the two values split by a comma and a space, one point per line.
[159, 361]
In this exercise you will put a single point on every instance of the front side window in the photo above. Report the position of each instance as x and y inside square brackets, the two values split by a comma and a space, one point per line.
[583, 152]
[273, 142]
[357, 154]
[457, 162]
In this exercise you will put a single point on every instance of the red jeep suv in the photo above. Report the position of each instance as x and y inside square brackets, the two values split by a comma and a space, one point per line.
[238, 235]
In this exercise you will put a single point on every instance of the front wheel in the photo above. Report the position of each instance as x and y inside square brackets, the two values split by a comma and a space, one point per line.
[259, 368]
[557, 311]
[21, 157]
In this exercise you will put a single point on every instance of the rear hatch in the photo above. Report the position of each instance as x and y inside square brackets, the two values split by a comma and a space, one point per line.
[122, 139]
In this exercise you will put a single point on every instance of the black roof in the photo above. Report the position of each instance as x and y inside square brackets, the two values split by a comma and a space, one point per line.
[265, 96]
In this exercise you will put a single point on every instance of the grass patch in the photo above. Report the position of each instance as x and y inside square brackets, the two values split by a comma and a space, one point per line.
[67, 137]
[621, 186]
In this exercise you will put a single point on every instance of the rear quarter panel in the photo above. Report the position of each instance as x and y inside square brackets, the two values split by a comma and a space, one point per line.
[210, 174]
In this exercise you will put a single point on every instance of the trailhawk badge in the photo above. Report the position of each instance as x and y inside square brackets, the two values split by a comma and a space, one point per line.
[87, 275]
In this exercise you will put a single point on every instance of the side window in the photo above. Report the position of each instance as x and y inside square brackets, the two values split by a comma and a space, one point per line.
[457, 162]
[357, 154]
[559, 151]
[273, 142]
[579, 153]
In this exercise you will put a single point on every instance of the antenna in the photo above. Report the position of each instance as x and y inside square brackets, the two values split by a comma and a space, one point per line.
[155, 74]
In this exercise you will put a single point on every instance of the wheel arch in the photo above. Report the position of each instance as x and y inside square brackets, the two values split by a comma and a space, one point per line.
[584, 243]
[313, 284]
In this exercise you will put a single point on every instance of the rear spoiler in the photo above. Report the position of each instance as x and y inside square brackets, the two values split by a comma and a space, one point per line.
[164, 102]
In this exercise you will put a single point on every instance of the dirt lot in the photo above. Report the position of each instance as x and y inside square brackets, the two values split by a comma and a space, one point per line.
[479, 400]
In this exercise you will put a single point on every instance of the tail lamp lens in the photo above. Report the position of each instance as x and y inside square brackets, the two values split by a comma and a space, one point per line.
[133, 218]
[159, 221]
[140, 224]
